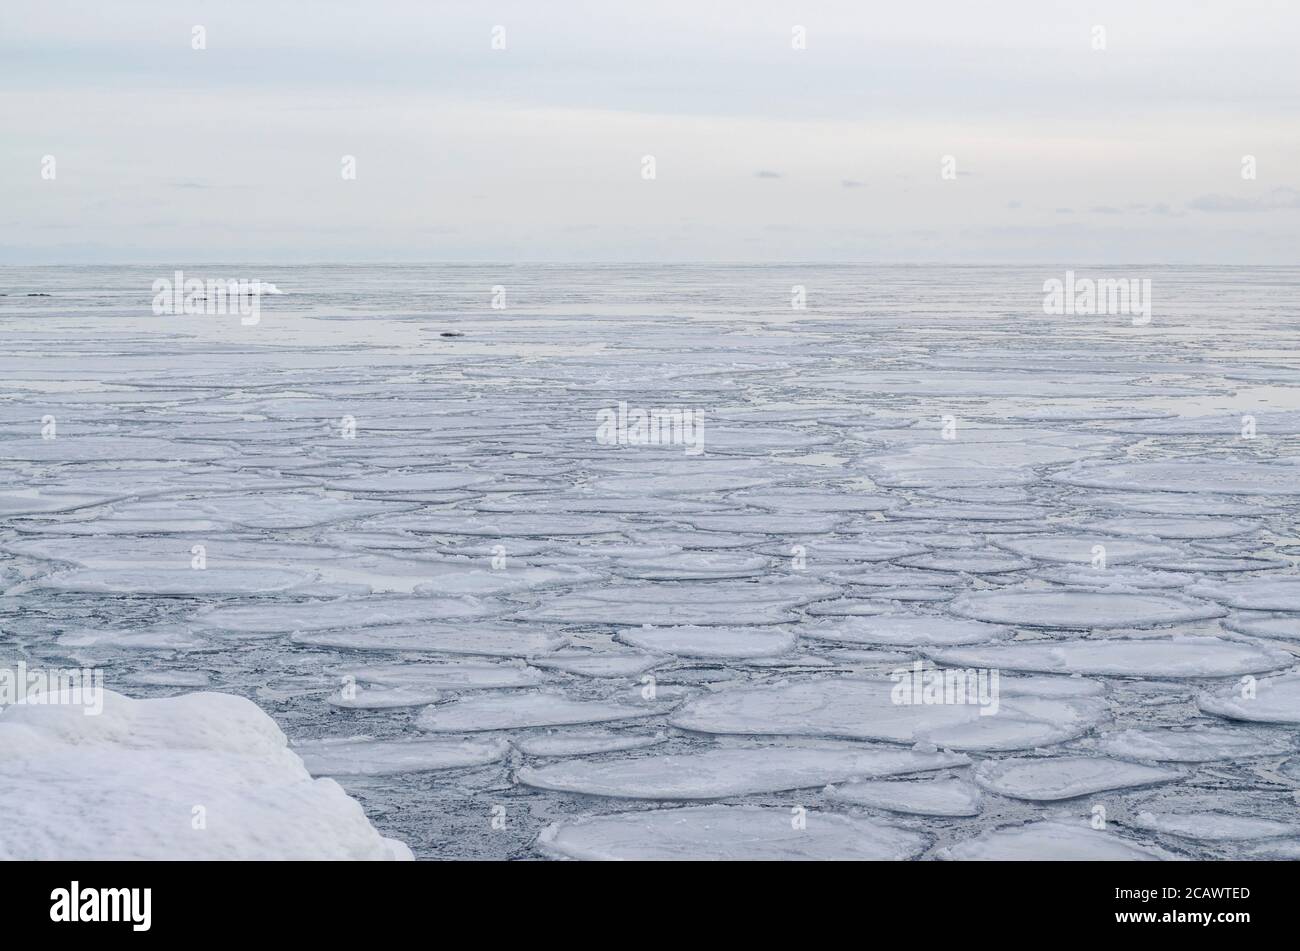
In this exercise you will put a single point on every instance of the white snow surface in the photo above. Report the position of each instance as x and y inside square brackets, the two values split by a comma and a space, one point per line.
[124, 785]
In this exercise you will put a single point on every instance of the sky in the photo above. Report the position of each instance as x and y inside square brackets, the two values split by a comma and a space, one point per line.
[765, 150]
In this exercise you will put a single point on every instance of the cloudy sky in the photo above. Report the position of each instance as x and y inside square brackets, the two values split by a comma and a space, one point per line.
[1063, 153]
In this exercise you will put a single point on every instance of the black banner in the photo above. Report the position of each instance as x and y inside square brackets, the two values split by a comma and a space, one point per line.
[320, 900]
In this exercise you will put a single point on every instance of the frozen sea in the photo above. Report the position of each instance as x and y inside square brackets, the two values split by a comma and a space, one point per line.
[384, 514]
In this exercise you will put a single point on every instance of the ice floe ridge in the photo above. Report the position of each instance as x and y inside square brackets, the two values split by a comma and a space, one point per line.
[942, 583]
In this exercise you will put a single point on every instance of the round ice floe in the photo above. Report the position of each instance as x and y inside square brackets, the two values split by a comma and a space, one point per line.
[787, 661]
[289, 510]
[892, 577]
[340, 613]
[1267, 700]
[1187, 475]
[800, 500]
[904, 630]
[444, 675]
[598, 664]
[711, 642]
[970, 513]
[895, 710]
[1200, 744]
[1282, 626]
[1052, 841]
[177, 582]
[959, 452]
[950, 477]
[1216, 564]
[1050, 686]
[168, 678]
[764, 523]
[922, 797]
[761, 439]
[994, 494]
[870, 658]
[116, 448]
[729, 833]
[1213, 826]
[584, 742]
[381, 698]
[970, 562]
[1177, 528]
[1083, 549]
[362, 756]
[913, 595]
[1048, 778]
[697, 565]
[722, 773]
[834, 552]
[456, 578]
[1274, 423]
[700, 483]
[675, 603]
[504, 526]
[1112, 576]
[1254, 594]
[1179, 504]
[1081, 609]
[39, 501]
[692, 539]
[515, 710]
[1165, 657]
[399, 483]
[845, 607]
[162, 636]
[495, 640]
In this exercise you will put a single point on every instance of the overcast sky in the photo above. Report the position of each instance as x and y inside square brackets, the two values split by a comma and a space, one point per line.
[1063, 153]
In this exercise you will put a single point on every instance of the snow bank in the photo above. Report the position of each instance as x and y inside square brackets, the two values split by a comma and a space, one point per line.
[200, 776]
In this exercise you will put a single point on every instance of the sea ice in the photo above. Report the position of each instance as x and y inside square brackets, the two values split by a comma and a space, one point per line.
[1081, 609]
[514, 710]
[1163, 657]
[866, 709]
[1199, 744]
[1267, 700]
[1186, 475]
[1050, 778]
[904, 630]
[1272, 593]
[1082, 549]
[599, 664]
[728, 833]
[922, 797]
[445, 675]
[363, 612]
[722, 773]
[489, 640]
[584, 742]
[1050, 840]
[1213, 826]
[710, 642]
[362, 756]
